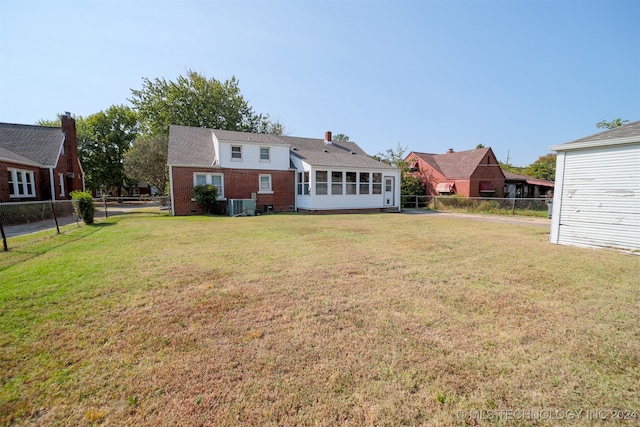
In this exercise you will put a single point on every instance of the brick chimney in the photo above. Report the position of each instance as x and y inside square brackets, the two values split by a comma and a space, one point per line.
[73, 171]
[327, 137]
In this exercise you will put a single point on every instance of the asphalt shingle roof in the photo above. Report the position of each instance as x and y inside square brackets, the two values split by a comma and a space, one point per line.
[460, 165]
[625, 131]
[317, 152]
[190, 146]
[35, 144]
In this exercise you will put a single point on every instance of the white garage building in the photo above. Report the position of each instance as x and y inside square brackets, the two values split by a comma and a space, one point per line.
[597, 190]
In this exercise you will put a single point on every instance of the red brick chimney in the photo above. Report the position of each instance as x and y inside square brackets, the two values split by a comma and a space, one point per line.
[327, 137]
[73, 173]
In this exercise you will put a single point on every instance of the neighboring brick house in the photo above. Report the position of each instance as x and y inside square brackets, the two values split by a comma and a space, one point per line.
[280, 173]
[470, 173]
[39, 162]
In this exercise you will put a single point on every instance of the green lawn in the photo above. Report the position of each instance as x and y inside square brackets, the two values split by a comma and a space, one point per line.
[382, 319]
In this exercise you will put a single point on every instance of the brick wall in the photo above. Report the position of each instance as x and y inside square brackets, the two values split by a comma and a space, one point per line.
[38, 176]
[492, 174]
[238, 184]
[429, 177]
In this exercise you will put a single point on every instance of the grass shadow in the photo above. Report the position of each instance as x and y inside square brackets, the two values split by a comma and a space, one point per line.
[72, 236]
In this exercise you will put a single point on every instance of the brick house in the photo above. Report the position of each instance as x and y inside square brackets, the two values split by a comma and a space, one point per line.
[470, 173]
[39, 162]
[280, 173]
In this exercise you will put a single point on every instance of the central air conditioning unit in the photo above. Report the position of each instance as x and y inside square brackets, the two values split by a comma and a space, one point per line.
[242, 207]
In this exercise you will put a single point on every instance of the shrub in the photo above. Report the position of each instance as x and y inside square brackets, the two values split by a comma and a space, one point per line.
[205, 196]
[83, 205]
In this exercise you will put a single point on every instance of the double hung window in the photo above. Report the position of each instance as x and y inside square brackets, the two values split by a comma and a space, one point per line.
[21, 183]
[215, 179]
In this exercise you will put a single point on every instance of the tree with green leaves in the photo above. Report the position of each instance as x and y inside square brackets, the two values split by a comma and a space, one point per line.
[603, 124]
[394, 158]
[543, 168]
[146, 161]
[194, 100]
[510, 168]
[103, 144]
[410, 185]
[341, 137]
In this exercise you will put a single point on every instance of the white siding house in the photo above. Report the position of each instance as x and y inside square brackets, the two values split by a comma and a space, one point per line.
[597, 190]
[243, 150]
[340, 176]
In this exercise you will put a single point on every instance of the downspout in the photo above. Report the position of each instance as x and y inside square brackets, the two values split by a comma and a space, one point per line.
[173, 207]
[398, 191]
[52, 184]
[84, 188]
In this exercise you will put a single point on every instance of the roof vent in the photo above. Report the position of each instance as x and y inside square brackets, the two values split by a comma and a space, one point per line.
[325, 150]
[450, 150]
[353, 152]
[294, 148]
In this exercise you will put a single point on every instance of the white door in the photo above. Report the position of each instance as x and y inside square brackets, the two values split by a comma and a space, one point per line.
[388, 191]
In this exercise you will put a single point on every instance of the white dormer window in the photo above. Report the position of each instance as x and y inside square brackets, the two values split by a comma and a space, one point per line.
[236, 152]
[265, 154]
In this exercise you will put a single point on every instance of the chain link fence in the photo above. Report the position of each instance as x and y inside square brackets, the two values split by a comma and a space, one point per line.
[539, 207]
[19, 218]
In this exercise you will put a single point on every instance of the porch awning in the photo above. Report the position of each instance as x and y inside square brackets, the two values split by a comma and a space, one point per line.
[445, 187]
[540, 182]
[487, 187]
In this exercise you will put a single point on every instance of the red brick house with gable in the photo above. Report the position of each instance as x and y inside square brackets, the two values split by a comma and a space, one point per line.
[39, 162]
[470, 173]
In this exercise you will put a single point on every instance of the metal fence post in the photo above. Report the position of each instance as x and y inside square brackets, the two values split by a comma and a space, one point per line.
[55, 218]
[4, 237]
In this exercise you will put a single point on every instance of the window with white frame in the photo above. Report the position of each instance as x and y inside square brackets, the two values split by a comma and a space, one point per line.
[265, 184]
[303, 183]
[364, 182]
[351, 186]
[336, 182]
[21, 183]
[376, 187]
[321, 182]
[215, 179]
[265, 154]
[236, 152]
[61, 184]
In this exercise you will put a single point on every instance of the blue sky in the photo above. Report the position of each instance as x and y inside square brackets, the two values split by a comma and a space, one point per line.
[514, 75]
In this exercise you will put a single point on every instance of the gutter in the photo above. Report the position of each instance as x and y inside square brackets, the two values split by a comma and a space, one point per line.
[173, 207]
[595, 143]
[52, 184]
